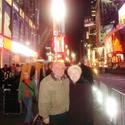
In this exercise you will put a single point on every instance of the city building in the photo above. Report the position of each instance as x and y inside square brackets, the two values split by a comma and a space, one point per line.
[89, 40]
[93, 8]
[19, 25]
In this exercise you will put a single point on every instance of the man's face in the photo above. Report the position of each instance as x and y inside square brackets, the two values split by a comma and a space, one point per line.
[58, 69]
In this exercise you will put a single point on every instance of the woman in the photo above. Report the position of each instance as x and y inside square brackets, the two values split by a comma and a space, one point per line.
[81, 102]
[27, 90]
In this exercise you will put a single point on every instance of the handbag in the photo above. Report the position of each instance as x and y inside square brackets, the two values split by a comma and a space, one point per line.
[37, 120]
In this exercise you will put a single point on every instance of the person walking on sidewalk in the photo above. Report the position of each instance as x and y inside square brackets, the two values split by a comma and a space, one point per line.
[53, 102]
[27, 91]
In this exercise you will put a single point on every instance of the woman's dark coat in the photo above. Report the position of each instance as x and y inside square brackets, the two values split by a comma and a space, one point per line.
[81, 101]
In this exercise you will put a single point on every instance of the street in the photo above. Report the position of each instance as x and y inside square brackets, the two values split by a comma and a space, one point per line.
[115, 81]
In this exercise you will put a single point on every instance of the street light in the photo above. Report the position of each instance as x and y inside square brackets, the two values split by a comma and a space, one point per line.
[58, 10]
[73, 56]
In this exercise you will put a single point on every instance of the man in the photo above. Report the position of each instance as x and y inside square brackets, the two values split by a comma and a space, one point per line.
[53, 100]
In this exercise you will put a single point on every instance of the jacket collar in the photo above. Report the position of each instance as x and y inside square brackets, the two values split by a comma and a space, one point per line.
[53, 76]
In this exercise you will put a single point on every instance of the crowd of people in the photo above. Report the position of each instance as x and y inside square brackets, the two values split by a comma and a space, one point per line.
[64, 95]
[10, 75]
[23, 85]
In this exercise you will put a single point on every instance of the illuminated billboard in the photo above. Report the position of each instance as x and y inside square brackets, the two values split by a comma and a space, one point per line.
[0, 16]
[121, 14]
[7, 20]
[59, 44]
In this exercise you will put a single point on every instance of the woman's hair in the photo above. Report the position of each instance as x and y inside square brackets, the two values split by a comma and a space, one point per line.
[74, 68]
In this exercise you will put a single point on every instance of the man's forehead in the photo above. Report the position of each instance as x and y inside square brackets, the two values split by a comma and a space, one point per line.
[58, 64]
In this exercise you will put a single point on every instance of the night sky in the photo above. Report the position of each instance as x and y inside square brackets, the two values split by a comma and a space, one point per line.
[76, 11]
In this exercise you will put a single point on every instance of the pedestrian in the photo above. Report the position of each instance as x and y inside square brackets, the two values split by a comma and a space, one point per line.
[1, 79]
[17, 75]
[86, 71]
[81, 101]
[53, 102]
[27, 91]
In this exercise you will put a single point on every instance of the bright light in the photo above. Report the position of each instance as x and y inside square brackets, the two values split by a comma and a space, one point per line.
[24, 50]
[111, 107]
[28, 43]
[122, 14]
[67, 59]
[94, 88]
[99, 97]
[73, 55]
[95, 71]
[67, 52]
[66, 46]
[58, 10]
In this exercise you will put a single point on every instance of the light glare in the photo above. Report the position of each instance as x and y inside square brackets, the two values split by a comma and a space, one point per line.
[111, 107]
[21, 49]
[99, 97]
[58, 10]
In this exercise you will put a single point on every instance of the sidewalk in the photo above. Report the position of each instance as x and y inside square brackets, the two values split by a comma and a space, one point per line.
[11, 119]
[99, 117]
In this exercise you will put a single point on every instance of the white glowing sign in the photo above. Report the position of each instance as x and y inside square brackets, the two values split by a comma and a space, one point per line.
[121, 13]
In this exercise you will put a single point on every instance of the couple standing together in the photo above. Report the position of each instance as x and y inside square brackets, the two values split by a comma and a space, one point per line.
[62, 103]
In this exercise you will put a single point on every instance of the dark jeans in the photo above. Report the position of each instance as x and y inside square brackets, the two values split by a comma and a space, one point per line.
[29, 113]
[60, 119]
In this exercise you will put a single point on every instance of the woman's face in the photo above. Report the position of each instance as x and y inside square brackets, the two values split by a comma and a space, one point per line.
[74, 76]
[26, 76]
